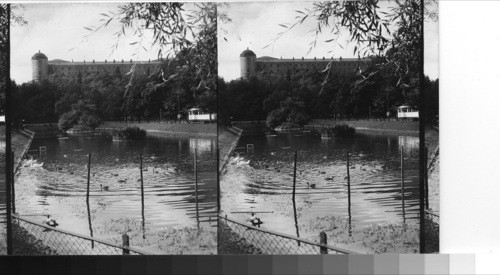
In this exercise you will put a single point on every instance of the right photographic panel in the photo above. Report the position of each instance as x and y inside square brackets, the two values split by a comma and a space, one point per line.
[319, 116]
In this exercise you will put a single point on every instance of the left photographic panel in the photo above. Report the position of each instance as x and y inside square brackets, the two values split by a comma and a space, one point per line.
[4, 63]
[114, 130]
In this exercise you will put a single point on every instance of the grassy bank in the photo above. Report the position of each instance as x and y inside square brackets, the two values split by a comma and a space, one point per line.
[432, 143]
[385, 127]
[393, 238]
[24, 243]
[180, 129]
[19, 145]
[226, 142]
[230, 243]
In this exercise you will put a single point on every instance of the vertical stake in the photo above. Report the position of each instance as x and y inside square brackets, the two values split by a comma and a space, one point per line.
[348, 192]
[142, 182]
[218, 182]
[13, 190]
[88, 178]
[125, 244]
[142, 198]
[196, 180]
[403, 184]
[322, 241]
[426, 178]
[294, 175]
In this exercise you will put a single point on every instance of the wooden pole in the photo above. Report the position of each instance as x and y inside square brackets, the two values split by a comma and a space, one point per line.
[293, 197]
[426, 178]
[88, 178]
[142, 182]
[294, 176]
[218, 182]
[125, 243]
[348, 192]
[13, 190]
[403, 184]
[322, 241]
[196, 181]
[88, 200]
[142, 199]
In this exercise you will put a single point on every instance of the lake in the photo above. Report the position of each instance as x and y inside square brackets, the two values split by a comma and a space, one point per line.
[265, 185]
[59, 188]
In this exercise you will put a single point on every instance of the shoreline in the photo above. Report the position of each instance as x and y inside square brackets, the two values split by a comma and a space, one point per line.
[227, 141]
[169, 129]
[408, 128]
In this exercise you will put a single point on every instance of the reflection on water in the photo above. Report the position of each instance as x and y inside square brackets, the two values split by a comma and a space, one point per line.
[375, 176]
[59, 187]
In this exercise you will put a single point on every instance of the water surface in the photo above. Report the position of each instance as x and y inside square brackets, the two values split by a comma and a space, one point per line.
[266, 184]
[59, 187]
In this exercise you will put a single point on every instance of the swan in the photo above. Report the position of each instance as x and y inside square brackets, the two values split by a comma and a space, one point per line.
[242, 162]
[254, 220]
[50, 222]
[311, 185]
[104, 188]
[36, 165]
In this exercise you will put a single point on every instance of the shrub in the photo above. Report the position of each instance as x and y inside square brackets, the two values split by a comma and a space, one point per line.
[275, 118]
[340, 130]
[343, 130]
[130, 133]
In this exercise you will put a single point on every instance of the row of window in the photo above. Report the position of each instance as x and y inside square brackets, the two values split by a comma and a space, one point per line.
[79, 68]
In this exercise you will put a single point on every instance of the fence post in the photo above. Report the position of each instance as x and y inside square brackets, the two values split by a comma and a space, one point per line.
[13, 190]
[196, 180]
[322, 242]
[348, 180]
[218, 182]
[402, 182]
[125, 243]
[348, 192]
[142, 182]
[294, 175]
[88, 178]
[426, 178]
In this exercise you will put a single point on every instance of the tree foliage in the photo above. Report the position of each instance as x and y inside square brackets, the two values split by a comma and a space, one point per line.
[392, 33]
[188, 30]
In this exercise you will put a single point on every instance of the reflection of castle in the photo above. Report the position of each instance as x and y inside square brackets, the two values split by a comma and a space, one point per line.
[250, 64]
[202, 145]
[408, 142]
[42, 67]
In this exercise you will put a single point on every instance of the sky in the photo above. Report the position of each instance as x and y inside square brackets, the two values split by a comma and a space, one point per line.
[55, 29]
[58, 31]
[256, 25]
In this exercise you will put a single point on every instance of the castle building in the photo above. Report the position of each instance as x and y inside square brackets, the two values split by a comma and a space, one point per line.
[250, 65]
[42, 67]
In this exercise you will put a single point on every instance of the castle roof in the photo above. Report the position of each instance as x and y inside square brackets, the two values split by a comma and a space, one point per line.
[108, 62]
[247, 52]
[280, 60]
[38, 55]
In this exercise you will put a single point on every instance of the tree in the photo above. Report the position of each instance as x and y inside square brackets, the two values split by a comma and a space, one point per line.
[394, 35]
[190, 34]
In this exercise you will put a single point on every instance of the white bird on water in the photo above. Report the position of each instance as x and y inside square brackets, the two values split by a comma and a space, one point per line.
[254, 220]
[50, 222]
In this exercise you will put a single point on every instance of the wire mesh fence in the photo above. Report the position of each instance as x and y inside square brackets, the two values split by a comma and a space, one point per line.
[32, 238]
[264, 241]
[431, 216]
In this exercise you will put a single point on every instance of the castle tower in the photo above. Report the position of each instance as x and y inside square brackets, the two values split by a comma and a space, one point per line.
[248, 64]
[40, 66]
